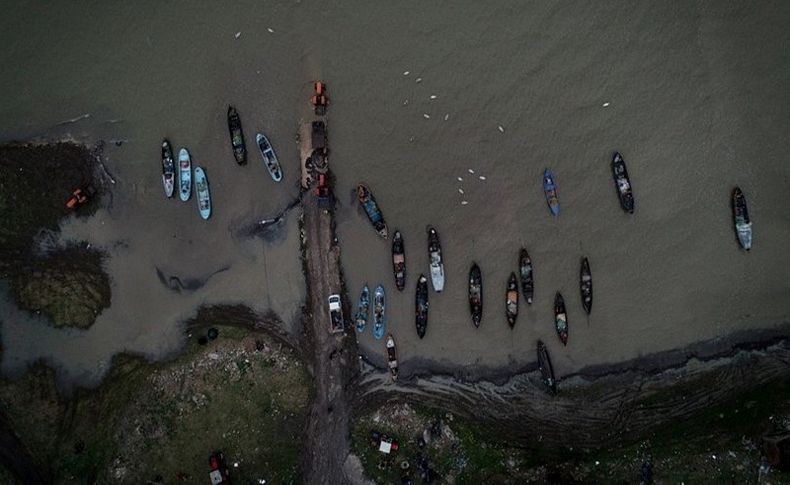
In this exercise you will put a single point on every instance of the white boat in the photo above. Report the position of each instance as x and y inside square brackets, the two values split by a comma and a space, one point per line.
[269, 157]
[168, 169]
[203, 195]
[437, 266]
[184, 174]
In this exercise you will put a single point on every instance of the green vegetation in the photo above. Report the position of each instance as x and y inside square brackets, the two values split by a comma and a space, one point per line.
[241, 394]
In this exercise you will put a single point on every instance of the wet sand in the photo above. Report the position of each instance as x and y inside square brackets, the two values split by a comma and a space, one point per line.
[696, 99]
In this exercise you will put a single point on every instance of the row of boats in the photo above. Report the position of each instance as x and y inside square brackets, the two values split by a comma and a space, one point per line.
[184, 172]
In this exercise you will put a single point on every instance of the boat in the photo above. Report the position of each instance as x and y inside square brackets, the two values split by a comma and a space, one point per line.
[392, 357]
[421, 306]
[743, 224]
[363, 309]
[585, 283]
[476, 294]
[379, 317]
[525, 271]
[372, 210]
[511, 300]
[203, 195]
[398, 260]
[236, 136]
[168, 168]
[622, 183]
[185, 175]
[437, 264]
[561, 318]
[546, 371]
[269, 157]
[550, 188]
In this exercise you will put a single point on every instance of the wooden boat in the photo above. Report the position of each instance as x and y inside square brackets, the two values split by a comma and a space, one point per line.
[168, 168]
[561, 318]
[476, 294]
[550, 189]
[398, 260]
[236, 136]
[546, 370]
[526, 273]
[622, 183]
[363, 308]
[392, 357]
[437, 264]
[585, 283]
[740, 214]
[379, 316]
[421, 306]
[203, 195]
[269, 157]
[372, 210]
[185, 175]
[511, 300]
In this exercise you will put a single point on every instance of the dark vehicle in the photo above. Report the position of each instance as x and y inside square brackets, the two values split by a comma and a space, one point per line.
[476, 294]
[585, 283]
[421, 305]
[622, 183]
[546, 371]
[398, 260]
[527, 281]
[511, 300]
[236, 136]
[561, 318]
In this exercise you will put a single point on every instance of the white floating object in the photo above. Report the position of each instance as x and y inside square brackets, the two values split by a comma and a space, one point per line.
[463, 202]
[270, 30]
[418, 80]
[501, 129]
[426, 116]
[482, 177]
[605, 105]
[433, 96]
[471, 171]
[405, 102]
[447, 117]
[460, 191]
[406, 73]
[460, 179]
[238, 34]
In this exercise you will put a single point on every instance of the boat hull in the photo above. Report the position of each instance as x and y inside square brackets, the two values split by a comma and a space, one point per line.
[740, 215]
[622, 183]
[184, 175]
[476, 294]
[561, 319]
[550, 190]
[392, 357]
[270, 160]
[526, 272]
[203, 194]
[379, 313]
[436, 260]
[237, 143]
[398, 261]
[372, 210]
[363, 308]
[586, 285]
[511, 300]
[546, 370]
[168, 169]
[421, 306]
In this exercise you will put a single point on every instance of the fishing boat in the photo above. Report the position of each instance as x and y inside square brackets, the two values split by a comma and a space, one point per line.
[379, 317]
[437, 264]
[184, 174]
[476, 294]
[550, 188]
[585, 283]
[622, 183]
[421, 306]
[743, 224]
[525, 270]
[203, 195]
[269, 157]
[363, 308]
[236, 136]
[398, 260]
[546, 370]
[372, 210]
[392, 357]
[511, 300]
[168, 168]
[561, 318]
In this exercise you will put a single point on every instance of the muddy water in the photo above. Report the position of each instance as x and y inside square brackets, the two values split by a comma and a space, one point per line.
[695, 94]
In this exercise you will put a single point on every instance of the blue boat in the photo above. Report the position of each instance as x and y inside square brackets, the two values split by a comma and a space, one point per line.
[362, 308]
[550, 188]
[203, 196]
[372, 210]
[379, 318]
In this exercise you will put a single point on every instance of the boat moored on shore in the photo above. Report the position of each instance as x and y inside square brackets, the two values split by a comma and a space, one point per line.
[511, 300]
[527, 277]
[363, 307]
[168, 168]
[622, 183]
[546, 370]
[476, 294]
[203, 195]
[550, 189]
[372, 210]
[398, 261]
[740, 215]
[585, 283]
[561, 319]
[437, 263]
[269, 157]
[392, 357]
[184, 175]
[379, 316]
[421, 306]
[236, 136]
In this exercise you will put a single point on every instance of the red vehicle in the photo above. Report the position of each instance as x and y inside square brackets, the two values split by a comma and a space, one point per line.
[218, 470]
[80, 197]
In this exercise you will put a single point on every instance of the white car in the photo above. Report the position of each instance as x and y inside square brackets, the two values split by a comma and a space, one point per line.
[336, 323]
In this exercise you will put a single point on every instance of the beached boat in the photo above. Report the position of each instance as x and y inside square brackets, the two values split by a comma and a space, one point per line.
[511, 300]
[184, 175]
[550, 188]
[372, 210]
[476, 294]
[203, 195]
[585, 283]
[269, 157]
[421, 306]
[236, 136]
[622, 183]
[561, 318]
[527, 277]
[546, 370]
[379, 316]
[363, 308]
[398, 260]
[740, 214]
[392, 357]
[437, 264]
[168, 168]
